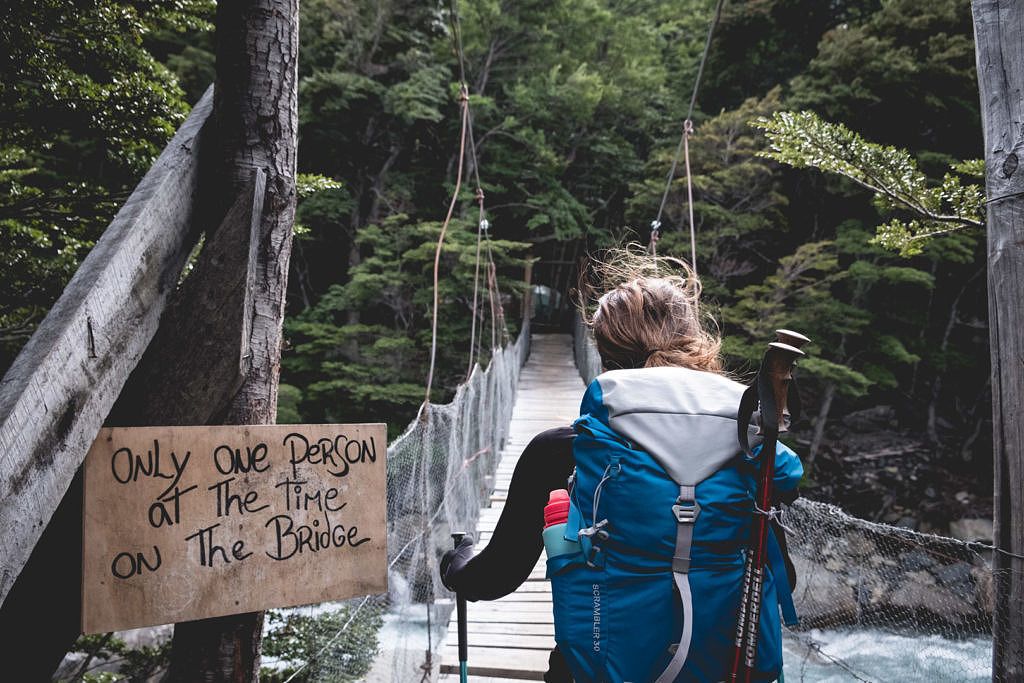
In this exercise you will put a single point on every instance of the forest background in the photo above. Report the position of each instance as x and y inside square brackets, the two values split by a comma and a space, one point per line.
[577, 110]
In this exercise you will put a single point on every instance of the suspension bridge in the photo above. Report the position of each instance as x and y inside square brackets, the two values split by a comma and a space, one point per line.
[119, 348]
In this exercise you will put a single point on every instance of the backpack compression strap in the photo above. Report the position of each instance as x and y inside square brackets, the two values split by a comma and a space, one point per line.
[686, 511]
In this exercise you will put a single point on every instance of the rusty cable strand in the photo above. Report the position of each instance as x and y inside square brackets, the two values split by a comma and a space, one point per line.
[464, 104]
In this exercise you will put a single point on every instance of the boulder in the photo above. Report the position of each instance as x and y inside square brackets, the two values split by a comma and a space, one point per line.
[871, 419]
[956, 576]
[916, 560]
[919, 593]
[823, 597]
[859, 545]
[984, 589]
[972, 529]
[907, 522]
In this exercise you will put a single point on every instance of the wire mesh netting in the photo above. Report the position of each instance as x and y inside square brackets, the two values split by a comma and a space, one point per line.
[588, 361]
[440, 472]
[877, 602]
[880, 603]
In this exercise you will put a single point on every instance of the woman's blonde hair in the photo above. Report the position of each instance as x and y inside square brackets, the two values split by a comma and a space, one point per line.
[645, 312]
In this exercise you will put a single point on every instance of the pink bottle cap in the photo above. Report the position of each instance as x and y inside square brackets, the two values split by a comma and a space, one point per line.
[557, 509]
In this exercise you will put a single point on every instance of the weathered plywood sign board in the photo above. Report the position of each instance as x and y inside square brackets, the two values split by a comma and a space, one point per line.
[185, 523]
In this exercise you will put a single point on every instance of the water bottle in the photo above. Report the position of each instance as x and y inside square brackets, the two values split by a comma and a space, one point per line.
[556, 514]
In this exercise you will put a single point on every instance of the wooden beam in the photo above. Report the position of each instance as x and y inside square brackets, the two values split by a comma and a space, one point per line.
[522, 664]
[59, 390]
[1000, 59]
[199, 356]
[190, 370]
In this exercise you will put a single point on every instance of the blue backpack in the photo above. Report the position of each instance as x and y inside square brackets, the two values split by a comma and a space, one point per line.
[661, 507]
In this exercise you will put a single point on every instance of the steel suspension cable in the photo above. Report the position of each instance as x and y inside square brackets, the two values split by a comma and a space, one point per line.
[476, 283]
[482, 223]
[683, 149]
[481, 232]
[497, 312]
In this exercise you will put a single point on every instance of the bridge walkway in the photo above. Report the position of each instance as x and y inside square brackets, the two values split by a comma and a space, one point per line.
[510, 638]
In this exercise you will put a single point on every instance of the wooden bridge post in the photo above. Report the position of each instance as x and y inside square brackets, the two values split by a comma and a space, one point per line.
[255, 120]
[998, 26]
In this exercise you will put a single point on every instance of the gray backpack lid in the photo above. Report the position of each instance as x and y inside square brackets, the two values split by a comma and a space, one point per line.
[685, 419]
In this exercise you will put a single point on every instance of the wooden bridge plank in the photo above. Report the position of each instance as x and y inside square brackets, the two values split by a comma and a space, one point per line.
[492, 661]
[514, 641]
[483, 627]
[531, 596]
[507, 605]
[475, 616]
[505, 628]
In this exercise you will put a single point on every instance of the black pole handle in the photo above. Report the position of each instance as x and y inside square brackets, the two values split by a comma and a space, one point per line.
[460, 606]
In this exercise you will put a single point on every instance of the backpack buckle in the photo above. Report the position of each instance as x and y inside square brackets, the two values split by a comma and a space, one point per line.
[686, 508]
[685, 511]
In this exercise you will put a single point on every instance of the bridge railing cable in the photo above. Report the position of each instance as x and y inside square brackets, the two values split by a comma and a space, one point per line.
[683, 150]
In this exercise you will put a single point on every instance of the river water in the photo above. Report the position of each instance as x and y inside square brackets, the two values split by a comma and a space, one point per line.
[840, 656]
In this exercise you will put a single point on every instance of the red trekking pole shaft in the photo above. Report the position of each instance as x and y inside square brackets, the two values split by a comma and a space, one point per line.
[749, 618]
[772, 388]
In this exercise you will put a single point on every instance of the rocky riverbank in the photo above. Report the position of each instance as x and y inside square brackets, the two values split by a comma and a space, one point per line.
[877, 471]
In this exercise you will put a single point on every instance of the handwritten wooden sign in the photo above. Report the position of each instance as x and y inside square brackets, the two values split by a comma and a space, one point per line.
[185, 523]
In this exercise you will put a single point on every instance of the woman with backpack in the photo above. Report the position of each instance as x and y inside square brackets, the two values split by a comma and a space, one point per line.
[662, 500]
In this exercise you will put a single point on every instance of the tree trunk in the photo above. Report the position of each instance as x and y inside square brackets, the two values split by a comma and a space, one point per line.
[998, 25]
[256, 119]
[819, 424]
[932, 427]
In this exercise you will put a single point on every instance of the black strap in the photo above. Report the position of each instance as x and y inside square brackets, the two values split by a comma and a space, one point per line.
[748, 404]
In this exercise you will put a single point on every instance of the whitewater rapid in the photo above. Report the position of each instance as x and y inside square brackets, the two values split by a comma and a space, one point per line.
[840, 656]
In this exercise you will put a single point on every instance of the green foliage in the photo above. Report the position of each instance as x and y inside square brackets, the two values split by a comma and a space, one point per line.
[86, 108]
[123, 662]
[288, 398]
[576, 111]
[760, 44]
[902, 74]
[361, 351]
[804, 140]
[308, 184]
[330, 647]
[565, 97]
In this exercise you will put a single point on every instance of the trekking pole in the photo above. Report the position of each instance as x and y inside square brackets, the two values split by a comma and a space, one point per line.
[460, 607]
[772, 389]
